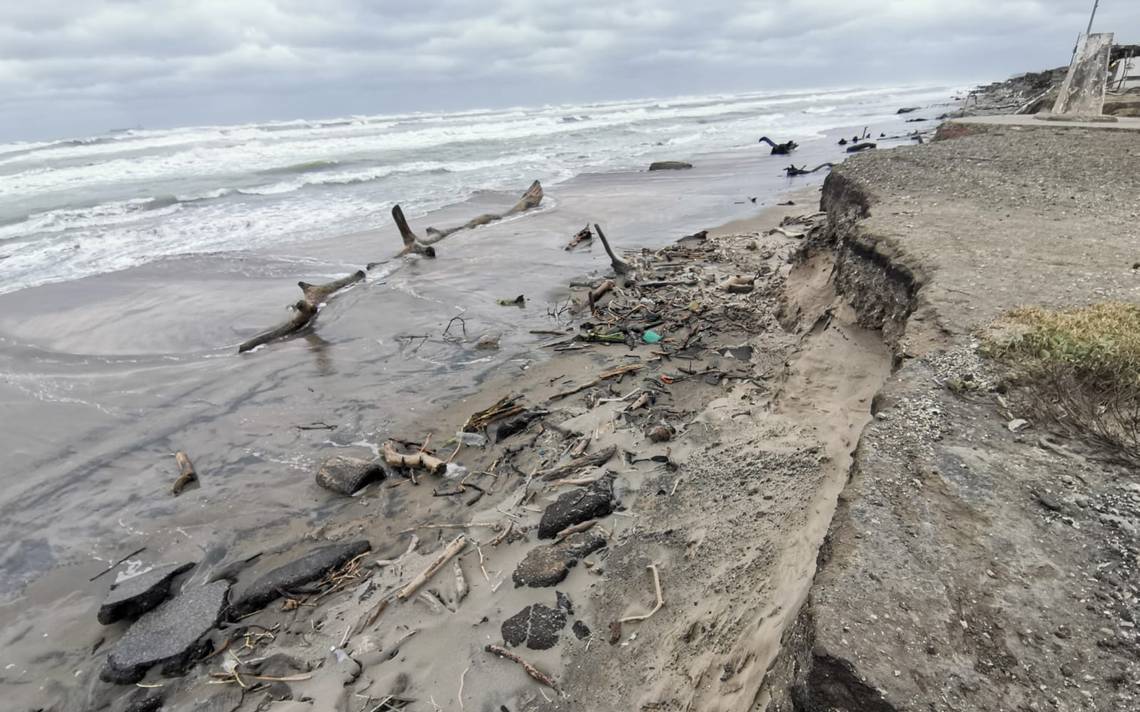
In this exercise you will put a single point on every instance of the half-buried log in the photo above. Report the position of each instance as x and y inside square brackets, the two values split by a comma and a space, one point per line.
[420, 459]
[305, 310]
[317, 293]
[779, 149]
[530, 199]
[412, 242]
[793, 171]
[620, 266]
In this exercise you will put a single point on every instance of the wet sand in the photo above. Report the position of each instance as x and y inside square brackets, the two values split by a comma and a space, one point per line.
[106, 377]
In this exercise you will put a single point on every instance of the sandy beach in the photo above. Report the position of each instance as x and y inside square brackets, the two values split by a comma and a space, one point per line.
[139, 364]
[757, 466]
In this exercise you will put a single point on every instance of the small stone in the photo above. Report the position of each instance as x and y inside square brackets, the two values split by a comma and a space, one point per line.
[346, 475]
[168, 635]
[1017, 425]
[577, 506]
[306, 569]
[581, 630]
[131, 598]
[537, 626]
[487, 342]
[660, 433]
[1048, 501]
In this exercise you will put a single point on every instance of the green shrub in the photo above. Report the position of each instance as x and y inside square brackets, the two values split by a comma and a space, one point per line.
[1080, 368]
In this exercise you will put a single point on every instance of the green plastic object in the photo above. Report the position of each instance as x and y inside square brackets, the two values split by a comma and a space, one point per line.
[650, 337]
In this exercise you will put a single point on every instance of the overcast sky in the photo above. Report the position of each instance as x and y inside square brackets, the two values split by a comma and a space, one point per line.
[80, 67]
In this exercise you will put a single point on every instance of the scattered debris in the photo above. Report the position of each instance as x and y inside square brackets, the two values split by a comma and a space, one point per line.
[457, 545]
[583, 237]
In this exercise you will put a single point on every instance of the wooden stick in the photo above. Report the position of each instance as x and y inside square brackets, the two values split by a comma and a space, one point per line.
[601, 291]
[115, 565]
[600, 457]
[531, 670]
[660, 598]
[620, 266]
[186, 473]
[421, 459]
[457, 544]
[619, 371]
[574, 529]
[461, 587]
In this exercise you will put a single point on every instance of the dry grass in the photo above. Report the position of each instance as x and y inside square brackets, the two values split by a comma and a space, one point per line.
[1080, 368]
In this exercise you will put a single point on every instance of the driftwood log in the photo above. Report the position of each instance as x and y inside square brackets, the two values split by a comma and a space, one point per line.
[412, 243]
[620, 266]
[530, 199]
[305, 310]
[793, 171]
[420, 459]
[584, 236]
[186, 473]
[780, 149]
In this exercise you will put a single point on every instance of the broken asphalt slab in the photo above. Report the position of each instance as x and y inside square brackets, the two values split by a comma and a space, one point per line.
[299, 572]
[169, 635]
[139, 594]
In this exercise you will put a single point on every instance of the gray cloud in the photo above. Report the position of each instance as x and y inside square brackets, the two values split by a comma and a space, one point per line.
[83, 66]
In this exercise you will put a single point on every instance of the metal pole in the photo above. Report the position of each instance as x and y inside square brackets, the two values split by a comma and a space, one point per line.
[1096, 3]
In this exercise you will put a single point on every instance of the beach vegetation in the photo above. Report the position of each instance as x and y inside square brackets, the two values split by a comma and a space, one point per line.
[1079, 368]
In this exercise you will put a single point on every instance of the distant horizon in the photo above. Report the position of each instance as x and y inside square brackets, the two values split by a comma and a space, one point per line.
[83, 67]
[475, 110]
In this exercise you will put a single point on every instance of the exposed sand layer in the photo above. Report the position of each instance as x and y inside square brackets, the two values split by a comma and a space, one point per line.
[970, 567]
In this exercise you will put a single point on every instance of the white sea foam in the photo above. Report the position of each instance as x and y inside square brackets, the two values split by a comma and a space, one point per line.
[73, 208]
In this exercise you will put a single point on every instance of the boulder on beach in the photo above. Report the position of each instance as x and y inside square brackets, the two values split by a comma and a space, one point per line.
[306, 569]
[537, 626]
[137, 595]
[346, 475]
[170, 635]
[577, 506]
[669, 166]
[548, 564]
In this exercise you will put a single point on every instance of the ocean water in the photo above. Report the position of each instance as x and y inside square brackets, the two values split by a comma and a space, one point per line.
[80, 207]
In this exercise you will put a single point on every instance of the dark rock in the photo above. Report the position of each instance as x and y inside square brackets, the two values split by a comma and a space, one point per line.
[549, 564]
[135, 596]
[1048, 501]
[577, 506]
[143, 701]
[860, 147]
[279, 692]
[669, 166]
[346, 475]
[581, 630]
[279, 665]
[537, 626]
[306, 569]
[168, 635]
[908, 109]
